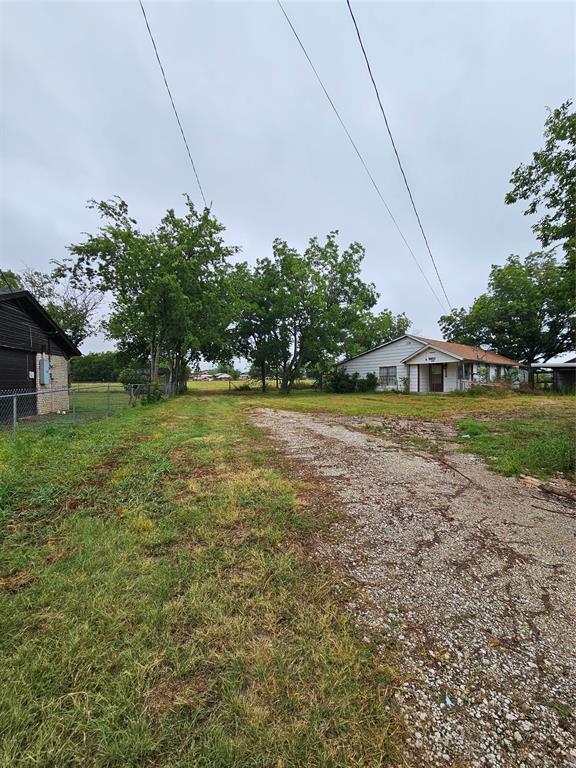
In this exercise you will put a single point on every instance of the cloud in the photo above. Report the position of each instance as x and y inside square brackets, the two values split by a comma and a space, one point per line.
[85, 114]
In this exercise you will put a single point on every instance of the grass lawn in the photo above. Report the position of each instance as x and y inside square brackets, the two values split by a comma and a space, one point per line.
[159, 605]
[540, 443]
[420, 406]
[515, 433]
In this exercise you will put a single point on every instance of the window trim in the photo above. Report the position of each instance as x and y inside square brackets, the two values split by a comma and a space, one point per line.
[386, 378]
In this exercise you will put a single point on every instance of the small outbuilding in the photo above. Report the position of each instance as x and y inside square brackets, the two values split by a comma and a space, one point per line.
[34, 355]
[563, 374]
[418, 364]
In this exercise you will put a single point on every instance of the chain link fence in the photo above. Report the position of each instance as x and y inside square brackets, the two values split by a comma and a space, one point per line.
[28, 409]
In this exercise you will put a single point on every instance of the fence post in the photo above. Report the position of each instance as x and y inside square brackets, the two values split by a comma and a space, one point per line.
[73, 406]
[14, 416]
[108, 401]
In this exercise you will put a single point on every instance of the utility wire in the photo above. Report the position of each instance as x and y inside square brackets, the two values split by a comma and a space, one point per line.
[173, 105]
[396, 150]
[10, 287]
[357, 151]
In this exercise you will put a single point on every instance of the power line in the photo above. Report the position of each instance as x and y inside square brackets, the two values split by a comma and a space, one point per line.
[10, 287]
[173, 105]
[396, 150]
[357, 151]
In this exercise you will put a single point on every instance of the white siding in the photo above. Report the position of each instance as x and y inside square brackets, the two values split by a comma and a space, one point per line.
[413, 378]
[431, 356]
[451, 378]
[424, 379]
[391, 354]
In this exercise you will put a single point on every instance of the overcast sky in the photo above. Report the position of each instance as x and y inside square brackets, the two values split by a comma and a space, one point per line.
[465, 84]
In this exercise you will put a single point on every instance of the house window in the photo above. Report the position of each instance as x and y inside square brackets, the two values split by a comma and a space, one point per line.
[465, 371]
[388, 376]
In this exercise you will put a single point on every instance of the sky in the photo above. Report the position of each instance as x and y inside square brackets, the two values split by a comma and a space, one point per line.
[84, 114]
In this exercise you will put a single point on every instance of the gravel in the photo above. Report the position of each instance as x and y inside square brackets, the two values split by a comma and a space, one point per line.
[469, 576]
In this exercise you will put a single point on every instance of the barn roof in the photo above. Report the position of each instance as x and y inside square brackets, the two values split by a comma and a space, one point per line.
[26, 301]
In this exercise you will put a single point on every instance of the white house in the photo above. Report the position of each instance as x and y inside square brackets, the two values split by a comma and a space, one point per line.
[416, 364]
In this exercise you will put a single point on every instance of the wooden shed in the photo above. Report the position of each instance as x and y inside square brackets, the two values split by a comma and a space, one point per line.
[34, 355]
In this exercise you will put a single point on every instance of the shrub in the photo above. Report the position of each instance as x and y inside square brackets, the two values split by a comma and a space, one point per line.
[153, 394]
[372, 381]
[341, 381]
[131, 376]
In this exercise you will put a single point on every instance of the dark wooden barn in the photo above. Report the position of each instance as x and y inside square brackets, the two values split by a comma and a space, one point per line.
[34, 354]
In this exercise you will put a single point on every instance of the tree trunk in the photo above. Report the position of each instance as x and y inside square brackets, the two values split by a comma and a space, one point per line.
[530, 375]
[263, 375]
[154, 361]
[285, 385]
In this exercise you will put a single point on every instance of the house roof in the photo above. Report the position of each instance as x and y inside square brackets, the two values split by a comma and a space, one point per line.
[466, 352]
[35, 310]
[462, 351]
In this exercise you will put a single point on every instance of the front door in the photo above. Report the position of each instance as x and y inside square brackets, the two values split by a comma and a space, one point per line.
[436, 377]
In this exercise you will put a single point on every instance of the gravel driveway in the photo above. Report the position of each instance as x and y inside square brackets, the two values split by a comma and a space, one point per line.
[471, 576]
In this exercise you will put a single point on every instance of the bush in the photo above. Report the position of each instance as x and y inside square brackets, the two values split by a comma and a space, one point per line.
[371, 381]
[153, 394]
[131, 376]
[340, 381]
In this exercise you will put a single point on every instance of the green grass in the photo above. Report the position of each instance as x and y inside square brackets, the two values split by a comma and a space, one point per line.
[159, 605]
[516, 433]
[413, 405]
[538, 443]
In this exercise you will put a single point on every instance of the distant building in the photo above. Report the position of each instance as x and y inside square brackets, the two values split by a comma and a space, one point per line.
[416, 364]
[223, 377]
[34, 355]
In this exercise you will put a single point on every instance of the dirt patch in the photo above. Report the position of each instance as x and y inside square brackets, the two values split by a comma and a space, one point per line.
[198, 691]
[58, 554]
[16, 581]
[471, 575]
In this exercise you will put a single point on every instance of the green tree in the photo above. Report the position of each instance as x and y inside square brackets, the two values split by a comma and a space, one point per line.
[526, 314]
[96, 366]
[259, 332]
[9, 280]
[548, 183]
[73, 307]
[374, 329]
[168, 286]
[299, 308]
